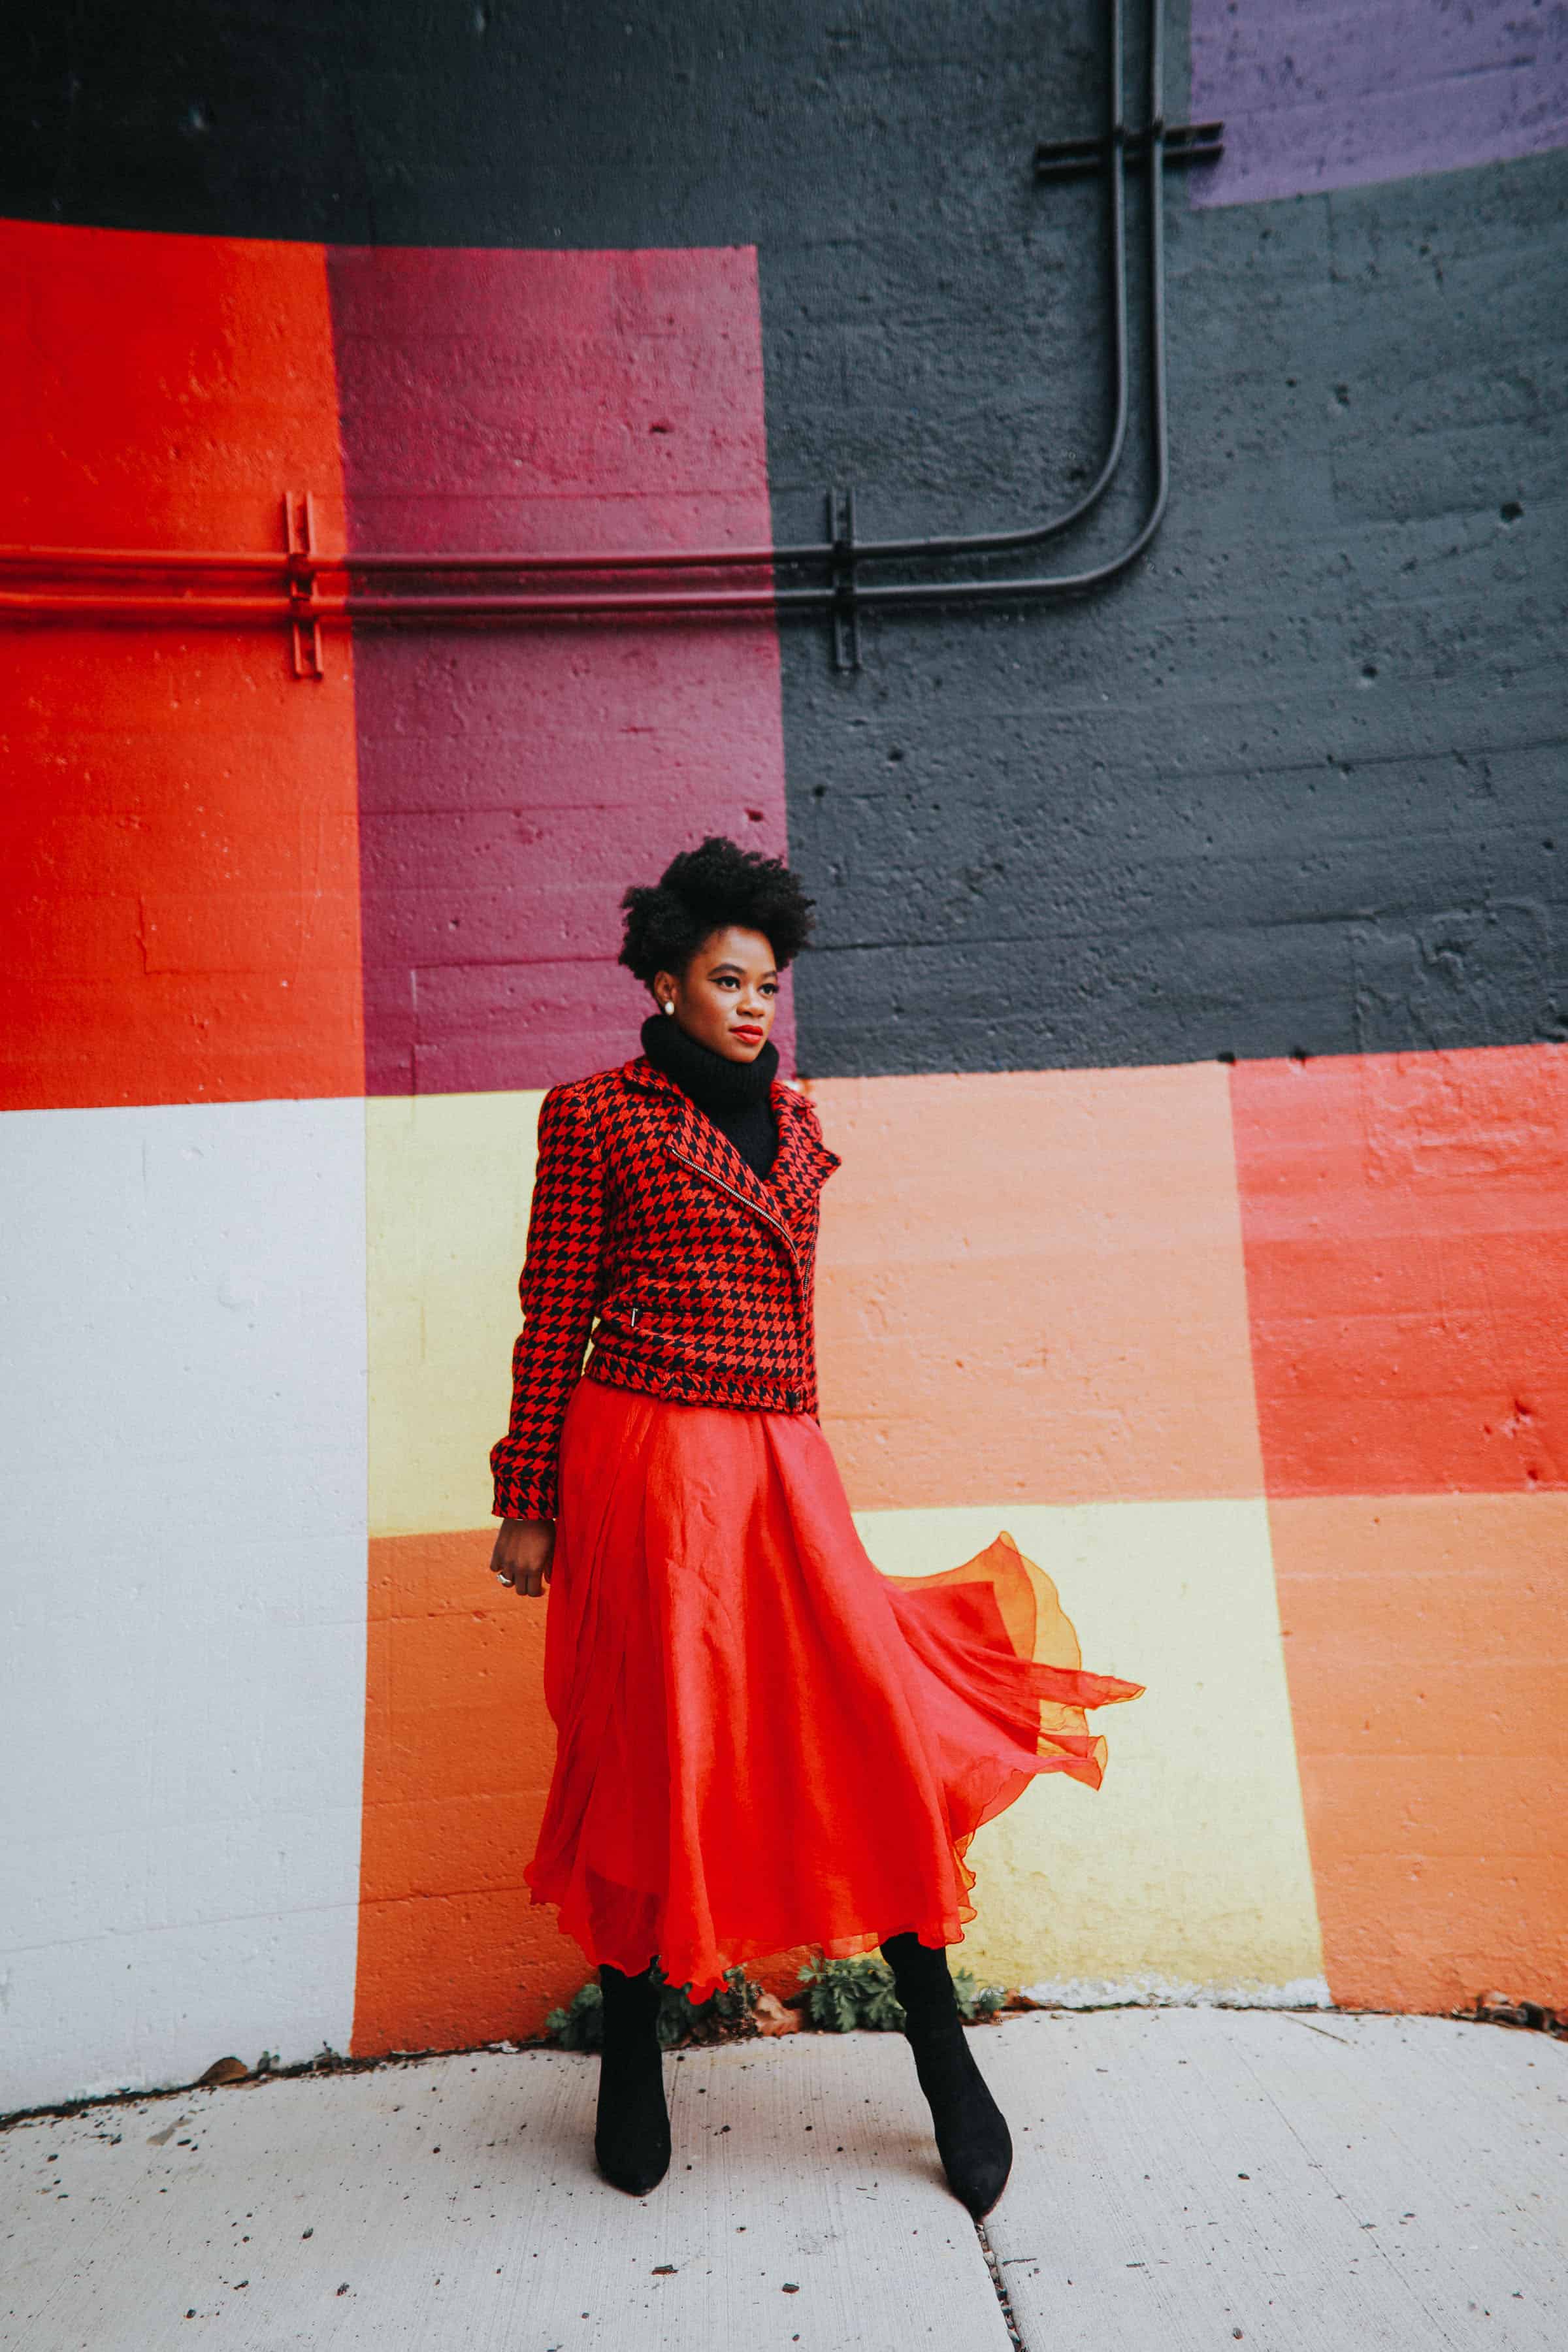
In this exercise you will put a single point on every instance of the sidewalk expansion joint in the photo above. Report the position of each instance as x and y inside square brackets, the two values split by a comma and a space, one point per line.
[1014, 2335]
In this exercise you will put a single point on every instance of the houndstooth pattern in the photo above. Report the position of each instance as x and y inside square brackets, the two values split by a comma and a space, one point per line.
[698, 1270]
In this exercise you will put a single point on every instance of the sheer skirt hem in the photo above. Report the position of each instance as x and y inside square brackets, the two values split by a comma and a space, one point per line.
[764, 1742]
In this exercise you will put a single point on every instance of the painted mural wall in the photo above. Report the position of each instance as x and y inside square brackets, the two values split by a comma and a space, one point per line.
[1189, 1010]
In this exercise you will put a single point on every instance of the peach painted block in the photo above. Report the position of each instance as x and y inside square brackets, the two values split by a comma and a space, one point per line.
[1426, 1647]
[1032, 1286]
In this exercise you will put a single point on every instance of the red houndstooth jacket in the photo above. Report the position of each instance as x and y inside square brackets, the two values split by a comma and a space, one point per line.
[698, 1271]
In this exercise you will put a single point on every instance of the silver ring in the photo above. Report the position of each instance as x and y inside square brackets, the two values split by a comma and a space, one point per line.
[502, 1580]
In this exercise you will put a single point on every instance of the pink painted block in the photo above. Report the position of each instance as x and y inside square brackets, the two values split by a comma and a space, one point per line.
[513, 782]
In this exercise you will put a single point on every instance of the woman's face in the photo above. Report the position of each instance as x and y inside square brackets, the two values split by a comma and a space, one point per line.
[726, 996]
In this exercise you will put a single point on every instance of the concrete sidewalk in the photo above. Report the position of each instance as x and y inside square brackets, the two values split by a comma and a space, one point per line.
[1185, 2178]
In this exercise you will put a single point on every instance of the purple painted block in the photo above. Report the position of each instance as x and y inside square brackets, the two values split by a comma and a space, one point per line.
[1329, 94]
[513, 782]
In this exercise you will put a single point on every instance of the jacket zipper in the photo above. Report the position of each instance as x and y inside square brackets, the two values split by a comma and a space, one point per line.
[768, 1216]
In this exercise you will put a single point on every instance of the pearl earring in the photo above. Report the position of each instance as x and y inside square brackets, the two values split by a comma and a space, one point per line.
[669, 1007]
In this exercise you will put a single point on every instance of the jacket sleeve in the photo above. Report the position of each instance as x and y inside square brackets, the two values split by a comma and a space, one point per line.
[559, 1290]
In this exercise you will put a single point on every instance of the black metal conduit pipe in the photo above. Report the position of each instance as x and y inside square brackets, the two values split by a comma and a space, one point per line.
[306, 604]
[992, 591]
[896, 594]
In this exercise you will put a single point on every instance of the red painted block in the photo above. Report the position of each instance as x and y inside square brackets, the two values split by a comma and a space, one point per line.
[1405, 1226]
[179, 832]
[512, 783]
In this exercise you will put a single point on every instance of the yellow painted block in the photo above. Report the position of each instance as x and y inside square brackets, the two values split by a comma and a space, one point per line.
[448, 1181]
[1190, 1865]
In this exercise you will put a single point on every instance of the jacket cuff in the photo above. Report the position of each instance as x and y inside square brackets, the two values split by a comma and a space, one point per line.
[524, 1498]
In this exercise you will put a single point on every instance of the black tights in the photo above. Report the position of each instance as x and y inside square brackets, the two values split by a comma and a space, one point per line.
[631, 2132]
[971, 2135]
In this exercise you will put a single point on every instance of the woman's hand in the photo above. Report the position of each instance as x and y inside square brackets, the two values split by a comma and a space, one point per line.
[521, 1554]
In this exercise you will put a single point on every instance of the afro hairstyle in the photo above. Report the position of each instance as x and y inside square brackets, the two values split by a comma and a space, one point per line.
[710, 888]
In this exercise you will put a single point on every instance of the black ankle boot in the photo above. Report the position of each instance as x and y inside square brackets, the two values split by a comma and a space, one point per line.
[631, 2136]
[971, 2135]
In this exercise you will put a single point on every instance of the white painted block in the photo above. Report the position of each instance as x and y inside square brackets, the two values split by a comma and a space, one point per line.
[183, 1587]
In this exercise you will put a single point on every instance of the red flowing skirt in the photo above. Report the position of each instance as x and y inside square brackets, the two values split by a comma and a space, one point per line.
[761, 1740]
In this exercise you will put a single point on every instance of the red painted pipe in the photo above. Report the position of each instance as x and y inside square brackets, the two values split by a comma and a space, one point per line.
[110, 560]
[40, 604]
[140, 559]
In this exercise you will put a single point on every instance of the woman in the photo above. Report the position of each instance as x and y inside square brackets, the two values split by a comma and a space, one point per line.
[762, 1742]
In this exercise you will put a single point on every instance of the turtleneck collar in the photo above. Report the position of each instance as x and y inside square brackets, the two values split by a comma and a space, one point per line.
[712, 1082]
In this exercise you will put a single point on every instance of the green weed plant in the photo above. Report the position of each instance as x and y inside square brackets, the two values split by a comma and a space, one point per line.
[725, 2014]
[836, 1996]
[843, 1994]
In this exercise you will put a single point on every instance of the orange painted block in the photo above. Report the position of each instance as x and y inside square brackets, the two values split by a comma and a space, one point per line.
[1032, 1289]
[180, 836]
[1406, 1232]
[449, 1972]
[1427, 1646]
[458, 1751]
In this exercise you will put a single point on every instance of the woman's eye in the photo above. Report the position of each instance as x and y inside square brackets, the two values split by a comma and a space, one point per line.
[770, 988]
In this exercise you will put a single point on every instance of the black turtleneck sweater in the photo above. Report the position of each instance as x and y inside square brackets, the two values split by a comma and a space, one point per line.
[733, 1094]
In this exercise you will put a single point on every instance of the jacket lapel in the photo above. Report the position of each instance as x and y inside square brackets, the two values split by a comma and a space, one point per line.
[785, 1196]
[803, 1164]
